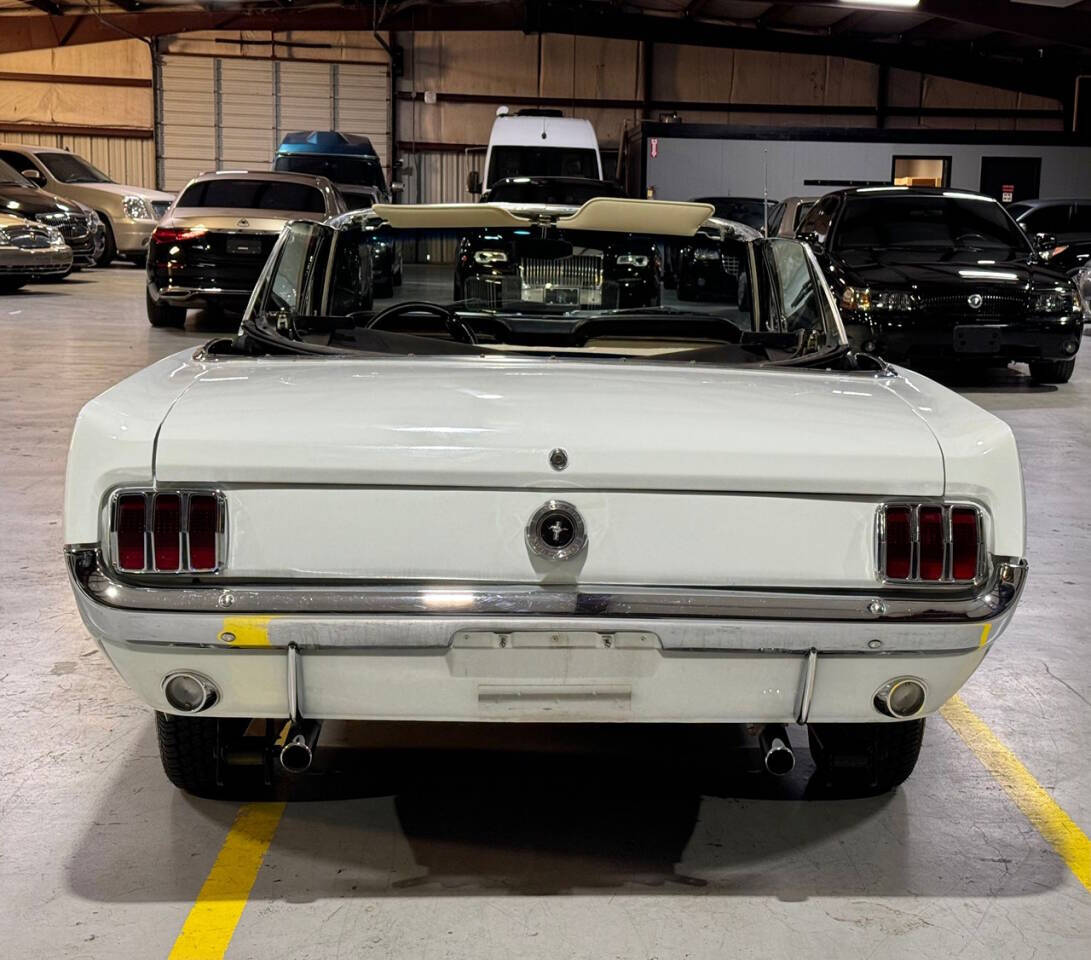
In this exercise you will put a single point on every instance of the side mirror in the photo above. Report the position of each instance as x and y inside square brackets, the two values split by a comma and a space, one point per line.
[34, 176]
[397, 187]
[473, 182]
[812, 239]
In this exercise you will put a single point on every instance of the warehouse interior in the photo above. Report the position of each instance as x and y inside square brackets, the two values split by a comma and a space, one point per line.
[508, 840]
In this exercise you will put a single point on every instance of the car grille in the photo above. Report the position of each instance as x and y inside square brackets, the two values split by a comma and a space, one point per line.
[28, 237]
[994, 306]
[731, 266]
[73, 226]
[159, 207]
[582, 273]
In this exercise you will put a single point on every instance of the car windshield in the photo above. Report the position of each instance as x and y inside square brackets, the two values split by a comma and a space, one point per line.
[522, 161]
[565, 193]
[9, 174]
[362, 171]
[68, 168]
[915, 221]
[254, 195]
[741, 209]
[358, 284]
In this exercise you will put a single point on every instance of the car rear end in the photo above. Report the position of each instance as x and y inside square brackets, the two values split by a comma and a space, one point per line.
[211, 246]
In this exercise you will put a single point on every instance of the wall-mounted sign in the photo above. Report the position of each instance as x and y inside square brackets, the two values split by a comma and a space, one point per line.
[654, 141]
[1007, 192]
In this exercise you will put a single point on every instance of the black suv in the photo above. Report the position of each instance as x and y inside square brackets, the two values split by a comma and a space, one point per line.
[933, 275]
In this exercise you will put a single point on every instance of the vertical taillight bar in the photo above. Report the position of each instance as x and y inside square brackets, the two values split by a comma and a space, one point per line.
[932, 543]
[167, 532]
[204, 528]
[899, 543]
[965, 543]
[130, 527]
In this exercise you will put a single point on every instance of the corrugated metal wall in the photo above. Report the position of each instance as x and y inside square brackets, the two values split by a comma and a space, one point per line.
[126, 159]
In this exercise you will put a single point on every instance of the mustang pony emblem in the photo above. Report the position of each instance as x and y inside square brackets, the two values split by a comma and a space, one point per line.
[556, 531]
[975, 300]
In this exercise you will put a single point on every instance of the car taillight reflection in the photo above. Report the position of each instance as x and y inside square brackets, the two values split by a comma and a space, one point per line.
[930, 543]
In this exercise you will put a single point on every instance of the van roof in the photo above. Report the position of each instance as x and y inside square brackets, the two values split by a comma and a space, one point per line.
[326, 141]
[543, 132]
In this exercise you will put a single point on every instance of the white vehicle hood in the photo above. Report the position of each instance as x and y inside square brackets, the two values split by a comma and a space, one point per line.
[491, 423]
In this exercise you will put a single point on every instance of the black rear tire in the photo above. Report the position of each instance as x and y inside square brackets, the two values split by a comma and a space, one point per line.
[162, 314]
[188, 750]
[1052, 371]
[861, 759]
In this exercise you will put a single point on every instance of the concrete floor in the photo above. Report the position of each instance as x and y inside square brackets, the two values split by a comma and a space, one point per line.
[623, 843]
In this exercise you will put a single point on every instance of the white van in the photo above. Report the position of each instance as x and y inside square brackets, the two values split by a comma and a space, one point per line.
[538, 143]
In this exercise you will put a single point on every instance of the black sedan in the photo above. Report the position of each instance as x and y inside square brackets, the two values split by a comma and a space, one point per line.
[930, 276]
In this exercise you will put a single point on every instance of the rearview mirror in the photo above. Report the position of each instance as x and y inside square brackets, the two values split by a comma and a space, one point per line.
[1044, 244]
[473, 182]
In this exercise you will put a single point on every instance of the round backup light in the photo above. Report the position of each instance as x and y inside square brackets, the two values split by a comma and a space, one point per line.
[901, 698]
[189, 692]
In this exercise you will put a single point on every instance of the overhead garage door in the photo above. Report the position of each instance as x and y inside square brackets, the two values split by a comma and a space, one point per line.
[223, 113]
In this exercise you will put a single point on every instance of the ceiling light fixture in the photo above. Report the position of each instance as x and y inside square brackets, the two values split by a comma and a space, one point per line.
[900, 4]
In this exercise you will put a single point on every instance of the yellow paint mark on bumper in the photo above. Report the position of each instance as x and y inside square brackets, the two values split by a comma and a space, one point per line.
[985, 634]
[211, 923]
[1070, 842]
[247, 631]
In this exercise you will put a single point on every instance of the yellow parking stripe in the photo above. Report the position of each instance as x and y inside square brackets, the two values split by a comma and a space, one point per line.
[212, 919]
[1056, 826]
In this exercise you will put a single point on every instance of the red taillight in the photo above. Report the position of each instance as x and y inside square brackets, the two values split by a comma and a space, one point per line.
[174, 234]
[204, 524]
[932, 546]
[130, 526]
[167, 531]
[964, 543]
[899, 544]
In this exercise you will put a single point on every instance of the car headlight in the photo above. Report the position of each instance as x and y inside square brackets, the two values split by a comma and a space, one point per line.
[632, 260]
[867, 300]
[488, 257]
[94, 219]
[1055, 302]
[56, 238]
[706, 253]
[136, 208]
[5, 237]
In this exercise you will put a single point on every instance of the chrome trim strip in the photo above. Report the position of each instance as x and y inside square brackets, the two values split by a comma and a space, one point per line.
[976, 604]
[807, 694]
[188, 293]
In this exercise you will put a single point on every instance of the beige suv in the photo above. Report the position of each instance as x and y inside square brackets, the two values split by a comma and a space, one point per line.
[128, 213]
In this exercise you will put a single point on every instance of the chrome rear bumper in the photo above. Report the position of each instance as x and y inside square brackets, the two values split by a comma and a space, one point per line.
[432, 615]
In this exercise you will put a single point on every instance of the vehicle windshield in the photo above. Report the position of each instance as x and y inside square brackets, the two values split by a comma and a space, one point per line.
[741, 209]
[9, 174]
[254, 195]
[561, 191]
[522, 161]
[356, 284]
[361, 171]
[68, 168]
[927, 222]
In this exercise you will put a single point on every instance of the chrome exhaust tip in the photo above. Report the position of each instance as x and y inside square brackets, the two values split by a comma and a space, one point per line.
[298, 751]
[189, 692]
[901, 698]
[776, 750]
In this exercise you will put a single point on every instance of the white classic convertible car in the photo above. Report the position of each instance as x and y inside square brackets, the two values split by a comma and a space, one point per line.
[524, 510]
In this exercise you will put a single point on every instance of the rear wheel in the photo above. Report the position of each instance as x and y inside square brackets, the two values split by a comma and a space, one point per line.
[162, 314]
[1052, 371]
[109, 249]
[190, 750]
[865, 758]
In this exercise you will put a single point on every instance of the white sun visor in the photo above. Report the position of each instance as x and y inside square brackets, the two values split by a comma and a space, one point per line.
[607, 214]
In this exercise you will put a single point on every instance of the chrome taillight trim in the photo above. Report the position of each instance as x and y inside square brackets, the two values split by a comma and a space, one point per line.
[914, 507]
[185, 494]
